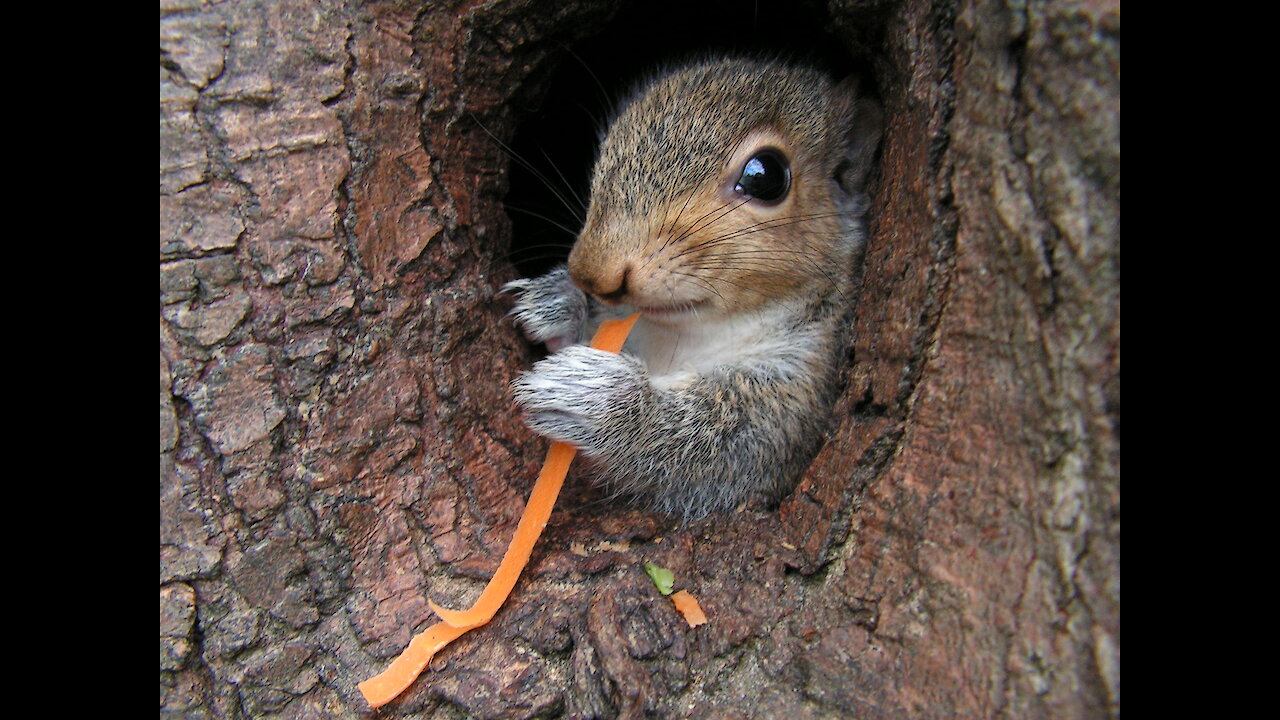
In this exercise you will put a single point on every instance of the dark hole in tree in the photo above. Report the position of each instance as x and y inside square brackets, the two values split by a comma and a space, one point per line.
[559, 138]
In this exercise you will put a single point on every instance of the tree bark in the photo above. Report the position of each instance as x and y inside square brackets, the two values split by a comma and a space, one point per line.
[338, 444]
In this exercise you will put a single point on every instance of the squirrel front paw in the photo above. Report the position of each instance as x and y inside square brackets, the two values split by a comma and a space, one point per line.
[550, 309]
[583, 396]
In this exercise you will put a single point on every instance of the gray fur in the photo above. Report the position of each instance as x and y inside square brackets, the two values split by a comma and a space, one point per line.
[689, 451]
[550, 309]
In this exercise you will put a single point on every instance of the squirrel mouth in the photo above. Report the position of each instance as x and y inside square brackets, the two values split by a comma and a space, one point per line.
[670, 311]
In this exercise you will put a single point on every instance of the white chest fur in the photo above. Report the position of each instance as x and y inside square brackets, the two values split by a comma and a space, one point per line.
[767, 340]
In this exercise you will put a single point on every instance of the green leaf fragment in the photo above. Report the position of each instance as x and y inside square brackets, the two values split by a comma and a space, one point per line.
[661, 577]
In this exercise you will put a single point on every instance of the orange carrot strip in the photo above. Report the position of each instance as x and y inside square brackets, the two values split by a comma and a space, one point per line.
[383, 688]
[405, 669]
[536, 514]
[610, 337]
[689, 608]
[613, 333]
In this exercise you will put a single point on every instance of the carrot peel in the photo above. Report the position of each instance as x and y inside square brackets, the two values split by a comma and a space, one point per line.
[384, 687]
[536, 514]
[613, 333]
[688, 606]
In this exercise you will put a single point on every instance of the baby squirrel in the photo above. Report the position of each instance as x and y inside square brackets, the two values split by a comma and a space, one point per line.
[726, 208]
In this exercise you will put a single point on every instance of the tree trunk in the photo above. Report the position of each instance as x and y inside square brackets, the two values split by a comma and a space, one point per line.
[338, 443]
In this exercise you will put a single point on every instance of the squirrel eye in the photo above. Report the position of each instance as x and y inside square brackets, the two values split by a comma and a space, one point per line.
[766, 176]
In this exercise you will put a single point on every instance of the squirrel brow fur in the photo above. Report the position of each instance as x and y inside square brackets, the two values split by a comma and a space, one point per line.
[690, 119]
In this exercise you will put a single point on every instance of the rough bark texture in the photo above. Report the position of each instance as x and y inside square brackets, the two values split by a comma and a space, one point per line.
[336, 434]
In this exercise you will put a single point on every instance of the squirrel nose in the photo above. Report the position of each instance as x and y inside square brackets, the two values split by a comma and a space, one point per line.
[610, 287]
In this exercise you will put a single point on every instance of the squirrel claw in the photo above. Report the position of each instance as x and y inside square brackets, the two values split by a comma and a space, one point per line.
[549, 309]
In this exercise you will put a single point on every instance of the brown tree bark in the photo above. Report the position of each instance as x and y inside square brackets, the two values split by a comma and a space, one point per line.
[337, 442]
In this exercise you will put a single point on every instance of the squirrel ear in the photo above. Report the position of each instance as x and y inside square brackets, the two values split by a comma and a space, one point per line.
[864, 123]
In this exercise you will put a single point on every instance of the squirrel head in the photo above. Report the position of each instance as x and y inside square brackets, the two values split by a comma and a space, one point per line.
[726, 186]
